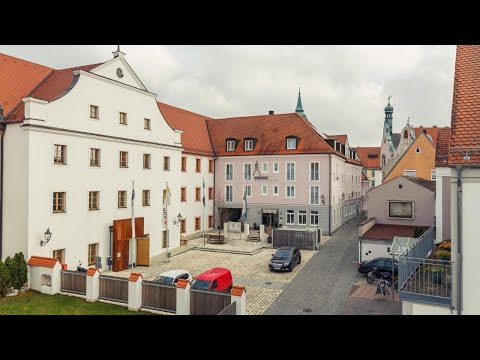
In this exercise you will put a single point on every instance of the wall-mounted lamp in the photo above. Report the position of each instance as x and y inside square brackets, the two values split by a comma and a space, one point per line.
[179, 218]
[323, 198]
[48, 236]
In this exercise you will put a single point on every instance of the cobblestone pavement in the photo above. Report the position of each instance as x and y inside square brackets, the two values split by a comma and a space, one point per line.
[262, 285]
[324, 283]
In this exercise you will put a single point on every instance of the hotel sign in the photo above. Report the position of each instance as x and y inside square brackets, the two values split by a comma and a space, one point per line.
[265, 178]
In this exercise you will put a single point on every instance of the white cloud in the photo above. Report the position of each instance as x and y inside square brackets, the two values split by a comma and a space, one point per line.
[344, 88]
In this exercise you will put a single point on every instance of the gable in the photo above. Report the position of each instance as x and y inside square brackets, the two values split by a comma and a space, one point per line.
[119, 70]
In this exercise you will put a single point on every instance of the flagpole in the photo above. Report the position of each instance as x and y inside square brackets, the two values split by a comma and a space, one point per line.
[166, 224]
[133, 222]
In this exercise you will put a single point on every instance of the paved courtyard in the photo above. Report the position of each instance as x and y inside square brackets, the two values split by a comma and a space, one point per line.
[324, 284]
[262, 285]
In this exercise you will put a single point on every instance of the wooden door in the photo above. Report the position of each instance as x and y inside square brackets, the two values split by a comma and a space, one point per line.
[143, 251]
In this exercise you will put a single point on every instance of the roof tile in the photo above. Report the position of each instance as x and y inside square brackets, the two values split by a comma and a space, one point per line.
[42, 261]
[369, 157]
[388, 232]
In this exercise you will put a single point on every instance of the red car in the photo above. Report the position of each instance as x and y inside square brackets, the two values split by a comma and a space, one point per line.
[216, 279]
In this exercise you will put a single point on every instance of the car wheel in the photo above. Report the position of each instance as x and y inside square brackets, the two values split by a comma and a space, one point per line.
[370, 279]
[290, 268]
[299, 260]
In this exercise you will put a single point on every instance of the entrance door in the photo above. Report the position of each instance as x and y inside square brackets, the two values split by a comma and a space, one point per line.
[143, 251]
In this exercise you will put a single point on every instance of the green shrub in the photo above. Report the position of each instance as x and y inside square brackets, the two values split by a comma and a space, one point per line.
[17, 268]
[4, 279]
[9, 264]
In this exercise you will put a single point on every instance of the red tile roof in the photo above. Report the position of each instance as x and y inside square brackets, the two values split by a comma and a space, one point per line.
[270, 131]
[432, 131]
[237, 290]
[42, 261]
[388, 232]
[366, 156]
[465, 134]
[17, 79]
[134, 277]
[342, 139]
[195, 138]
[54, 86]
[443, 147]
[91, 271]
[182, 283]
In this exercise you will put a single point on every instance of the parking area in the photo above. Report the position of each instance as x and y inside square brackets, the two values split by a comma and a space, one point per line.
[262, 285]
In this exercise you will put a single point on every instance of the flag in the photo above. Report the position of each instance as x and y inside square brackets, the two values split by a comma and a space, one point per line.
[244, 210]
[204, 192]
[166, 202]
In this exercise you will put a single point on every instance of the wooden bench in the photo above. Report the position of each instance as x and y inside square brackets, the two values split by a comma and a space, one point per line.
[215, 239]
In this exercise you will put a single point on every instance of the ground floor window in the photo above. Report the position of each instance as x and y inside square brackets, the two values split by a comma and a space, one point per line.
[59, 255]
[290, 217]
[164, 238]
[92, 253]
[302, 217]
[313, 217]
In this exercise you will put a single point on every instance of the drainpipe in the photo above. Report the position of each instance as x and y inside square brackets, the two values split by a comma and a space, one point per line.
[2, 133]
[330, 196]
[110, 228]
[214, 209]
[459, 239]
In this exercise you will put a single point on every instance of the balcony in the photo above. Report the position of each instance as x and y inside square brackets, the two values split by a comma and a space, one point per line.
[421, 278]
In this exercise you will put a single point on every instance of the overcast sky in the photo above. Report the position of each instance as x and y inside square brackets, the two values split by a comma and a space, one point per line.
[344, 88]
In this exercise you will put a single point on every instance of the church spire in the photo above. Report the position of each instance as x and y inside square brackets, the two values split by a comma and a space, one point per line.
[299, 108]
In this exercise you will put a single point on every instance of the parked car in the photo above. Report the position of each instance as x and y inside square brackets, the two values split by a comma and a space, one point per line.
[216, 279]
[382, 264]
[285, 258]
[171, 277]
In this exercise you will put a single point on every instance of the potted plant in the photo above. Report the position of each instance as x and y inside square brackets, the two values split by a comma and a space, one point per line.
[435, 273]
[443, 255]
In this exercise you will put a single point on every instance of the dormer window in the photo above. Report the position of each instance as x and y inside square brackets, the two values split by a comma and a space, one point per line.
[230, 145]
[291, 143]
[249, 145]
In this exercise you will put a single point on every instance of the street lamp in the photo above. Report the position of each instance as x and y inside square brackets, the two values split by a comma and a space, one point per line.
[48, 236]
[179, 218]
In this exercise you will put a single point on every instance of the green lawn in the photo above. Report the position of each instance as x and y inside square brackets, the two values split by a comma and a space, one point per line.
[35, 303]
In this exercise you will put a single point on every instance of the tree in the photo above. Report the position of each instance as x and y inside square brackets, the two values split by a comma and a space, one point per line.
[4, 279]
[21, 269]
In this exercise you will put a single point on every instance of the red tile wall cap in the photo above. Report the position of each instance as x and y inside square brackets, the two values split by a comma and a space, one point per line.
[237, 290]
[182, 283]
[134, 277]
[91, 271]
[42, 261]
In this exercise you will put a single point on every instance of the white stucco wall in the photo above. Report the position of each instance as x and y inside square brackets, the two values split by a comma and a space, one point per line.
[372, 249]
[413, 308]
[35, 276]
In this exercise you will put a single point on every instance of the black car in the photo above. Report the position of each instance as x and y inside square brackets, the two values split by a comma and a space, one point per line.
[382, 264]
[285, 258]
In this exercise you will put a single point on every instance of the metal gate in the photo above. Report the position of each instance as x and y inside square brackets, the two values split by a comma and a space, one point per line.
[113, 288]
[302, 239]
[159, 297]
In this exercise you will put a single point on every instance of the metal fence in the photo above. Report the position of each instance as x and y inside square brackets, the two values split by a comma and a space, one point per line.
[208, 302]
[229, 310]
[113, 288]
[423, 246]
[302, 239]
[73, 282]
[159, 297]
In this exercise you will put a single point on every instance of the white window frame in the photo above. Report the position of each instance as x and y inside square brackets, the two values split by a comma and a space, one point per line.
[312, 215]
[286, 191]
[302, 214]
[397, 217]
[264, 167]
[226, 193]
[249, 193]
[248, 147]
[311, 187]
[291, 141]
[244, 173]
[226, 173]
[433, 174]
[290, 214]
[273, 190]
[310, 173]
[286, 171]
[265, 187]
[405, 173]
[278, 167]
[230, 145]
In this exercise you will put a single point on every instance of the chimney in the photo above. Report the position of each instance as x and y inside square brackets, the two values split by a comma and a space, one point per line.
[271, 112]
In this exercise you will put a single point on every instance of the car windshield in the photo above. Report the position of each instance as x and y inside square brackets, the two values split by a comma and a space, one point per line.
[283, 254]
[201, 284]
[165, 280]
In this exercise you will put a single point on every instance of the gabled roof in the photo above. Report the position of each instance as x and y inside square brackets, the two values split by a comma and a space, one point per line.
[42, 261]
[17, 79]
[432, 131]
[369, 157]
[388, 232]
[443, 147]
[270, 132]
[465, 134]
[54, 86]
[195, 137]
